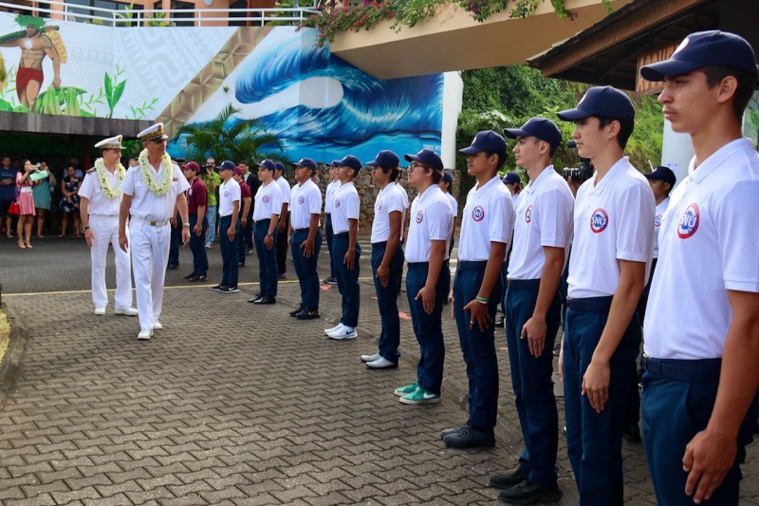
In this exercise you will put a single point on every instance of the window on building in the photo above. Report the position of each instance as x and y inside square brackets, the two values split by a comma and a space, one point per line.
[240, 4]
[76, 10]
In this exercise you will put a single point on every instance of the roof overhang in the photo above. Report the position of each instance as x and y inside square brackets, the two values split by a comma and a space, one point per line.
[70, 125]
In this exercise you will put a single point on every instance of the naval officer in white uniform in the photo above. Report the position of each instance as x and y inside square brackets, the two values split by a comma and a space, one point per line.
[151, 190]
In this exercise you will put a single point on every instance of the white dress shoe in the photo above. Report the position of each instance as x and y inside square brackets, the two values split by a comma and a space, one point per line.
[344, 333]
[157, 325]
[144, 335]
[125, 310]
[370, 358]
[333, 329]
[100, 310]
[381, 363]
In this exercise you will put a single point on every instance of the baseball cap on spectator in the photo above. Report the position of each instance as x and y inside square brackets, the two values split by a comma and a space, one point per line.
[511, 178]
[267, 164]
[191, 166]
[385, 158]
[350, 161]
[238, 171]
[542, 128]
[279, 166]
[447, 177]
[226, 165]
[427, 157]
[601, 101]
[700, 49]
[662, 173]
[487, 140]
[306, 162]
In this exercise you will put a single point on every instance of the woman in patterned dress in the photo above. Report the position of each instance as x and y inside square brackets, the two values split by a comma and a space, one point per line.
[70, 201]
[26, 205]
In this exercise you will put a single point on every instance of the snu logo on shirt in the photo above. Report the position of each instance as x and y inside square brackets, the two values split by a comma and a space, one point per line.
[478, 213]
[265, 199]
[657, 220]
[689, 222]
[419, 216]
[337, 203]
[528, 214]
[301, 199]
[599, 220]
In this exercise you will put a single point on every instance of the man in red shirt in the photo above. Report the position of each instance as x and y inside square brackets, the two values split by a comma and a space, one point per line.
[197, 203]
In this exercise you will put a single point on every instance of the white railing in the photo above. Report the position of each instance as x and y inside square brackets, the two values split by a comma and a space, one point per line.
[55, 9]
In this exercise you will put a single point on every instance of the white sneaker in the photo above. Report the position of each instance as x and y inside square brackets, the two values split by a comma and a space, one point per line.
[381, 363]
[344, 333]
[333, 329]
[125, 310]
[144, 335]
[370, 358]
[100, 310]
[157, 325]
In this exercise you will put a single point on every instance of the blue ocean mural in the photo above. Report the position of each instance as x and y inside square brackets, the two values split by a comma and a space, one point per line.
[355, 113]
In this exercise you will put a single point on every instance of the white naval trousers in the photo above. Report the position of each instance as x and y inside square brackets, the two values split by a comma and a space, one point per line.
[105, 231]
[150, 252]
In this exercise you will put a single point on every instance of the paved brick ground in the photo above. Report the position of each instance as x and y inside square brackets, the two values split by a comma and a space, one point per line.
[234, 404]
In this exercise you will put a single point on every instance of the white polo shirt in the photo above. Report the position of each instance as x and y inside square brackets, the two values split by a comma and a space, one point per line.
[454, 204]
[488, 216]
[389, 200]
[404, 193]
[329, 193]
[345, 206]
[229, 192]
[99, 204]
[708, 245]
[612, 221]
[543, 219]
[657, 223]
[146, 205]
[284, 188]
[431, 219]
[305, 200]
[268, 201]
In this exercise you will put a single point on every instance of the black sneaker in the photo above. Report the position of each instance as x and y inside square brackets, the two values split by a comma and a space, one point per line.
[248, 252]
[453, 430]
[255, 299]
[241, 264]
[265, 300]
[190, 276]
[308, 314]
[508, 480]
[332, 280]
[201, 277]
[530, 492]
[469, 437]
[217, 287]
[295, 312]
[228, 289]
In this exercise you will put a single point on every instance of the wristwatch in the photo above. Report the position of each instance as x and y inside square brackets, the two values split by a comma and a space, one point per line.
[185, 224]
[270, 234]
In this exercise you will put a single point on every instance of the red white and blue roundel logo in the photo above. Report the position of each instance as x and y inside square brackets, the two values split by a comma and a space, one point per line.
[478, 213]
[301, 199]
[337, 202]
[266, 199]
[528, 214]
[599, 220]
[657, 220]
[419, 216]
[689, 222]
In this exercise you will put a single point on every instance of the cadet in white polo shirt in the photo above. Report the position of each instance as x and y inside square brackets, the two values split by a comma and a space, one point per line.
[284, 186]
[101, 199]
[702, 324]
[445, 185]
[151, 190]
[387, 257]
[427, 285]
[306, 237]
[542, 235]
[229, 228]
[487, 223]
[611, 257]
[328, 193]
[345, 212]
[266, 217]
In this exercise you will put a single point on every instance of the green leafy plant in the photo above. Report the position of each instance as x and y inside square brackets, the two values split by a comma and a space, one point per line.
[140, 112]
[113, 89]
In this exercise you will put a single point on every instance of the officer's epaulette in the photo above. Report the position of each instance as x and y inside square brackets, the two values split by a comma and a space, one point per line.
[93, 169]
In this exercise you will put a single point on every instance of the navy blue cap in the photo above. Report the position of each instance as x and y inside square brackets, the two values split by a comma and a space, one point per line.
[605, 101]
[385, 158]
[306, 162]
[350, 161]
[427, 157]
[447, 177]
[279, 166]
[700, 49]
[487, 140]
[542, 128]
[267, 164]
[511, 178]
[334, 163]
[662, 173]
[227, 165]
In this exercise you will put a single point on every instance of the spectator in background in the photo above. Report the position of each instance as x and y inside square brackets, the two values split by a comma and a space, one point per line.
[43, 197]
[70, 201]
[212, 181]
[133, 162]
[197, 200]
[7, 194]
[25, 201]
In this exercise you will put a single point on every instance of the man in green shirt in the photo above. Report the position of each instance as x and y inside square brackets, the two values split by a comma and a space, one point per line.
[212, 180]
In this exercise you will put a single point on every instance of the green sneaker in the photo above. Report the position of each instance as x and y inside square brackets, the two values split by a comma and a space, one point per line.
[408, 389]
[420, 396]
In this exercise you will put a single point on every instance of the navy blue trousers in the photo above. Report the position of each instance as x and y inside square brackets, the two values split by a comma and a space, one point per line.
[532, 382]
[305, 268]
[240, 243]
[478, 347]
[347, 280]
[174, 240]
[678, 399]
[197, 246]
[329, 233]
[228, 248]
[428, 328]
[387, 299]
[594, 440]
[267, 259]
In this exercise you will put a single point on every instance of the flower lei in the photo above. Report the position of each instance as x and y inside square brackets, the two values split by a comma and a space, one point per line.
[109, 192]
[147, 173]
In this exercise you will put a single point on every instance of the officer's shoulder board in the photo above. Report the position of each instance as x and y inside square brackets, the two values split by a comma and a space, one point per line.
[93, 169]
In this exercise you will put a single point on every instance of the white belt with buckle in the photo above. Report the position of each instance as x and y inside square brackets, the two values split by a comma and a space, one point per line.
[151, 223]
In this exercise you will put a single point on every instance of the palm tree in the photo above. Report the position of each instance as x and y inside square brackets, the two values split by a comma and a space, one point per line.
[226, 138]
